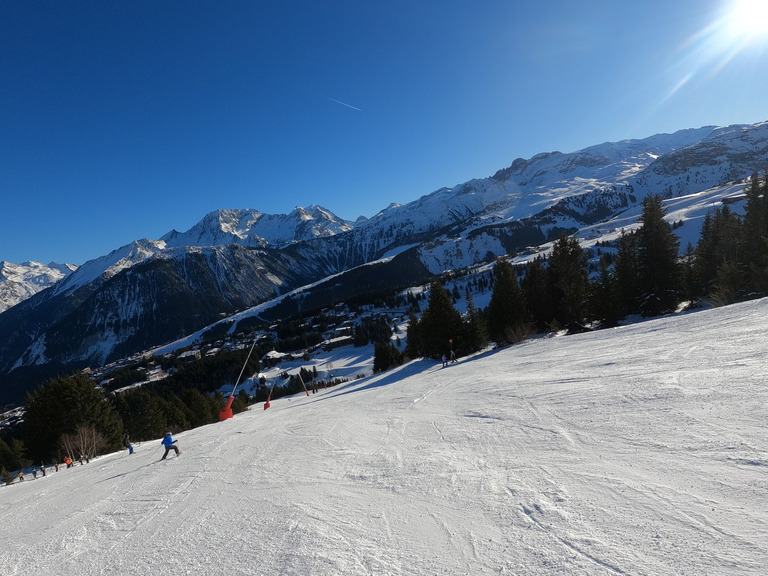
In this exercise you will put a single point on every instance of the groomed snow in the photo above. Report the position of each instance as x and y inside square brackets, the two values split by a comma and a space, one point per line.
[637, 450]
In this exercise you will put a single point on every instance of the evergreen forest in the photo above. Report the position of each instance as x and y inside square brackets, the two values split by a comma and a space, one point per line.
[643, 274]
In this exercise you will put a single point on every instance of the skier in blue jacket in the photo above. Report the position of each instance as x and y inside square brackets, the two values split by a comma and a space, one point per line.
[170, 444]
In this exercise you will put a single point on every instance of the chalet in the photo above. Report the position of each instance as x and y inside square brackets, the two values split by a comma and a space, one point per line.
[190, 355]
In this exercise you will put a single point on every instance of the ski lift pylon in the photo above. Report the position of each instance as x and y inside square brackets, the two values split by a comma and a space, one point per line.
[227, 412]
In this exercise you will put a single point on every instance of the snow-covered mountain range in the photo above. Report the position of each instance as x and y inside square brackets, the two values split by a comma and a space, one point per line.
[154, 291]
[254, 229]
[20, 281]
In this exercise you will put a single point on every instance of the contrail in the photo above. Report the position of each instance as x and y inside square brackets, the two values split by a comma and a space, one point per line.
[343, 103]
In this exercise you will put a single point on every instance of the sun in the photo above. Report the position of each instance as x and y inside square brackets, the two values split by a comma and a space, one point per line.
[748, 19]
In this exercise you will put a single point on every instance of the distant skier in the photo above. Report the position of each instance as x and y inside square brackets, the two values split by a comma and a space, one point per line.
[170, 444]
[128, 444]
[445, 361]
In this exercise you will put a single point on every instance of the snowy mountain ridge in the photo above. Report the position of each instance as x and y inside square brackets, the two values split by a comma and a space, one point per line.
[252, 228]
[109, 265]
[20, 281]
[520, 191]
[154, 291]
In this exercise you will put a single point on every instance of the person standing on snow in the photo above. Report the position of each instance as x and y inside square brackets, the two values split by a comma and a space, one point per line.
[170, 444]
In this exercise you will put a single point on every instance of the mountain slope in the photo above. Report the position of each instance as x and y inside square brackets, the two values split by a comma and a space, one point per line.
[20, 281]
[639, 450]
[131, 299]
[254, 229]
[155, 299]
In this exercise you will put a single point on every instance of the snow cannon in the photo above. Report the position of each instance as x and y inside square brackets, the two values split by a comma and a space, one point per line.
[227, 412]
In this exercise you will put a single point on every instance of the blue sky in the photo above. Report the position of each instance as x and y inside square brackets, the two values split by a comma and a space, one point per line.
[125, 120]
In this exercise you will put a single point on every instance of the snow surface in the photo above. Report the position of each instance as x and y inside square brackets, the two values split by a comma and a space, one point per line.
[636, 450]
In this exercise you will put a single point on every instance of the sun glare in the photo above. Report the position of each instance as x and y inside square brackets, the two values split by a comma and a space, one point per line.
[748, 19]
[737, 34]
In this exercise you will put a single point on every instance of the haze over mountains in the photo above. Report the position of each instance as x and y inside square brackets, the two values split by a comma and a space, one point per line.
[153, 291]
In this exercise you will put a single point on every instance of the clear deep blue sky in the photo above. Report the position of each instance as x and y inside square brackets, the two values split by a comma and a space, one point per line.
[124, 120]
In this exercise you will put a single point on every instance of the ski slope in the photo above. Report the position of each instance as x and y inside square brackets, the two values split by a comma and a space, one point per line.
[637, 450]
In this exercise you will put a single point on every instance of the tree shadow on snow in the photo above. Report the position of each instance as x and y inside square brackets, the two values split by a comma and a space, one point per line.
[377, 380]
[413, 368]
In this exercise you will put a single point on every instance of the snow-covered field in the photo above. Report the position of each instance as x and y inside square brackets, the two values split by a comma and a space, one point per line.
[638, 450]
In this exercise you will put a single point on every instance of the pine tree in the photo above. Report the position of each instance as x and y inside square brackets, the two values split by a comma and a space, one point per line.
[688, 278]
[705, 262]
[385, 356]
[730, 283]
[141, 414]
[413, 347]
[174, 412]
[569, 282]
[201, 409]
[8, 457]
[754, 255]
[476, 330]
[360, 336]
[716, 268]
[537, 294]
[658, 255]
[61, 406]
[625, 271]
[6, 476]
[604, 298]
[728, 287]
[508, 317]
[440, 324]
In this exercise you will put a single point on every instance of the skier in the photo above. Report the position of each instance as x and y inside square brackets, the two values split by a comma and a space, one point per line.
[170, 444]
[128, 444]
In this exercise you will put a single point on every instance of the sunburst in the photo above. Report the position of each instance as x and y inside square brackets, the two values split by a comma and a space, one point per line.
[747, 20]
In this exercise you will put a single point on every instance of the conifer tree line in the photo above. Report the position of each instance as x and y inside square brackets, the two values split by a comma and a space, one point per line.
[641, 274]
[645, 275]
[73, 416]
